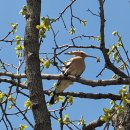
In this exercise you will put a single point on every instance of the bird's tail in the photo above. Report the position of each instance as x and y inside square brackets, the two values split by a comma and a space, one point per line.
[52, 101]
[53, 98]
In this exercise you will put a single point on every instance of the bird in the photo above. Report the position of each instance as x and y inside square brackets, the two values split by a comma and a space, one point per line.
[75, 67]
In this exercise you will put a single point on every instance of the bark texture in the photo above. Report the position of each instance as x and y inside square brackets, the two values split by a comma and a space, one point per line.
[34, 80]
[122, 121]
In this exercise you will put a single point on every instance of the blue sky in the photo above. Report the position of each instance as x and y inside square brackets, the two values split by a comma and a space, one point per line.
[117, 19]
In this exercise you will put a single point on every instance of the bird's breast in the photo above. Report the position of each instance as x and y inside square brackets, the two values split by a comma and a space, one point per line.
[77, 67]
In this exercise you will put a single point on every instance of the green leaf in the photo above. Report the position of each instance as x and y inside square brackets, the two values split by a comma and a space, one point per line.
[125, 87]
[19, 47]
[53, 20]
[115, 76]
[1, 96]
[81, 121]
[113, 48]
[66, 119]
[99, 38]
[70, 99]
[11, 106]
[42, 34]
[60, 98]
[10, 98]
[122, 67]
[72, 30]
[46, 64]
[120, 44]
[103, 118]
[105, 110]
[14, 26]
[23, 127]
[84, 22]
[59, 120]
[18, 39]
[112, 102]
[119, 38]
[98, 59]
[38, 27]
[25, 82]
[28, 104]
[19, 53]
[55, 85]
[41, 60]
[23, 11]
[114, 33]
[46, 22]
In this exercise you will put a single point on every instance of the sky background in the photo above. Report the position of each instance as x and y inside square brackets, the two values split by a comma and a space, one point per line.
[117, 19]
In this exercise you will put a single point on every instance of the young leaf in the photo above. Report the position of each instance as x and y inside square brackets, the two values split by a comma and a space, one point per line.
[46, 64]
[72, 30]
[28, 104]
[66, 119]
[1, 96]
[60, 98]
[23, 127]
[84, 22]
[114, 33]
[81, 121]
[70, 99]
[23, 11]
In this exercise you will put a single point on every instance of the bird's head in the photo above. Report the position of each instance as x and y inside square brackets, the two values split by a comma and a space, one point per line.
[80, 53]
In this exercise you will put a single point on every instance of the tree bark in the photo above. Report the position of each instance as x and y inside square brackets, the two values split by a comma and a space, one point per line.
[34, 80]
[121, 121]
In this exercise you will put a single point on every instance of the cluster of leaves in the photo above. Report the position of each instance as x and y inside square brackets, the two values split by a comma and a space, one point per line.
[117, 108]
[4, 97]
[23, 11]
[66, 120]
[114, 50]
[22, 127]
[45, 62]
[19, 46]
[73, 30]
[28, 104]
[12, 100]
[44, 26]
[14, 26]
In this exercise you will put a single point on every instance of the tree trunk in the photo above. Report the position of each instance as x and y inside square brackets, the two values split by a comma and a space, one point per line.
[121, 121]
[34, 80]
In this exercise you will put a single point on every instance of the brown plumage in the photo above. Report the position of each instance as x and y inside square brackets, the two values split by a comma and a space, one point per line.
[75, 66]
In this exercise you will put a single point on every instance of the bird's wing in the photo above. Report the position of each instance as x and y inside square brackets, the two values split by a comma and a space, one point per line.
[63, 84]
[66, 68]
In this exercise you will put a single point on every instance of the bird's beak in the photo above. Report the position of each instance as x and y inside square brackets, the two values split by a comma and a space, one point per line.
[91, 56]
[69, 53]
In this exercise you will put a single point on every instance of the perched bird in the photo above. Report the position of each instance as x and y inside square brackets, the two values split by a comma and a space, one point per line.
[75, 67]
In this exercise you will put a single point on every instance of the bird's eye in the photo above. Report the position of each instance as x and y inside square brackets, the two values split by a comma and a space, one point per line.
[82, 53]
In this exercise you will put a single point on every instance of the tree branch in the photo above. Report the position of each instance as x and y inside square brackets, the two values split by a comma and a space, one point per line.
[93, 83]
[88, 95]
[109, 65]
[93, 125]
[14, 83]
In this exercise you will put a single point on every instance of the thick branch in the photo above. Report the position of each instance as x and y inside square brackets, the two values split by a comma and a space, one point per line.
[93, 125]
[88, 95]
[109, 65]
[14, 83]
[32, 63]
[93, 83]
[74, 94]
